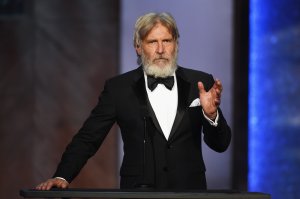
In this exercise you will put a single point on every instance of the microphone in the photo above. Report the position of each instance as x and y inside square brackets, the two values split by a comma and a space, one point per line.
[144, 184]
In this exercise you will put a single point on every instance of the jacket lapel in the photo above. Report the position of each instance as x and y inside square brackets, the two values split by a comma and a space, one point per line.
[146, 110]
[183, 94]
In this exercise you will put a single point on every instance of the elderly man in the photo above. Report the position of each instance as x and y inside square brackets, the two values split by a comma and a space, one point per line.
[161, 108]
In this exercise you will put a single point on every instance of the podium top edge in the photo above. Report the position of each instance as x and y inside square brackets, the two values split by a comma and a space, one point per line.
[141, 193]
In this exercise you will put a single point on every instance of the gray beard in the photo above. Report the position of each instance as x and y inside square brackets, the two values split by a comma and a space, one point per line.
[157, 71]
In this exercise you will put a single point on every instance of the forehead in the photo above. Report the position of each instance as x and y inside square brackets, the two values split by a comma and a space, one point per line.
[159, 31]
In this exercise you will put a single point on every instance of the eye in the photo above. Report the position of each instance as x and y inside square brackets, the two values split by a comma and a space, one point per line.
[150, 41]
[167, 41]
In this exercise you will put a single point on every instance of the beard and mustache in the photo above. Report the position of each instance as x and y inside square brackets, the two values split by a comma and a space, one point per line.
[155, 70]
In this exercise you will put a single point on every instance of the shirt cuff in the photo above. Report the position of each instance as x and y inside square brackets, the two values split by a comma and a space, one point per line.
[213, 123]
[62, 179]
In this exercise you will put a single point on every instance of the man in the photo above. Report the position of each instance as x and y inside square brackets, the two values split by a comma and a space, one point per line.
[161, 109]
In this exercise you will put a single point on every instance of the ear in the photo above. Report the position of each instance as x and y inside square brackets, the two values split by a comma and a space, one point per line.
[138, 49]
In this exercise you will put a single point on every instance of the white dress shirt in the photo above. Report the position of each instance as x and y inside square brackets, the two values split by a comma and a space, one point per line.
[164, 103]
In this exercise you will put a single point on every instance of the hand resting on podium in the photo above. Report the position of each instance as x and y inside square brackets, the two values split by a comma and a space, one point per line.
[53, 182]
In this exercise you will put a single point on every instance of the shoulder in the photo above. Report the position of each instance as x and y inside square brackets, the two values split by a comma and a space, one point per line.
[193, 75]
[125, 79]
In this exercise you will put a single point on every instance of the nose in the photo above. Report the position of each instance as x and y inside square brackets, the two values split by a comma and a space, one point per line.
[160, 48]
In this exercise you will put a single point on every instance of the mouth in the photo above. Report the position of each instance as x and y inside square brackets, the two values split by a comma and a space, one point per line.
[161, 59]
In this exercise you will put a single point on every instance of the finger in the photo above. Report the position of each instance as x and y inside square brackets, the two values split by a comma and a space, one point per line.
[45, 185]
[218, 93]
[217, 101]
[64, 185]
[49, 185]
[41, 186]
[38, 187]
[201, 87]
[218, 85]
[218, 88]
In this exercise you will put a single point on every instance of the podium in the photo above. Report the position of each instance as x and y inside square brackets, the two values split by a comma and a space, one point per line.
[145, 194]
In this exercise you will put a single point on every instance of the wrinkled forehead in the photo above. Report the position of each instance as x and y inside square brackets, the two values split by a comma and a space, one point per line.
[158, 30]
[156, 27]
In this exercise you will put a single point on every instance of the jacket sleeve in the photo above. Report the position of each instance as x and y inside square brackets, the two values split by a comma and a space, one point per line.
[89, 138]
[217, 138]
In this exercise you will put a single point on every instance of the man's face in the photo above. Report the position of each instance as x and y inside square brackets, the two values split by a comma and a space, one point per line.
[158, 51]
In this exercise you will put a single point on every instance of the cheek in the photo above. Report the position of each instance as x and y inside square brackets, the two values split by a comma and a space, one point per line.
[150, 54]
[171, 50]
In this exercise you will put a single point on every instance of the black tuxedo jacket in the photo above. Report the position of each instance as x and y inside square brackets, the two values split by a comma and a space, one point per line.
[175, 163]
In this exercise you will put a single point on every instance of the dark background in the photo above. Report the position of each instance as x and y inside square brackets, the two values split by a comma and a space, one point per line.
[52, 59]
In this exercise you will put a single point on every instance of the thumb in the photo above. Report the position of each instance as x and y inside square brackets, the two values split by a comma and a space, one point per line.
[201, 87]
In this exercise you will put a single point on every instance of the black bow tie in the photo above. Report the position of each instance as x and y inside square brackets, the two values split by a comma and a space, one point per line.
[152, 82]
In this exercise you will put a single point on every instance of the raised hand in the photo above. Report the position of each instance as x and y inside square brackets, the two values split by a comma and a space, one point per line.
[211, 99]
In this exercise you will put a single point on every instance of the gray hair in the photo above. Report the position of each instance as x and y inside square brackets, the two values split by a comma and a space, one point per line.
[145, 23]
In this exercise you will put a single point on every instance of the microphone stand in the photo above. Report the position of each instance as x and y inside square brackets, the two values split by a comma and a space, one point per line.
[144, 185]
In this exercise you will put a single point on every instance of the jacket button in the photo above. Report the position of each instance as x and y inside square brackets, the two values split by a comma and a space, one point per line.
[169, 146]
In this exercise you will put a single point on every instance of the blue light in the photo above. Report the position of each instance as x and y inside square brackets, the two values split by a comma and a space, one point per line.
[274, 93]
